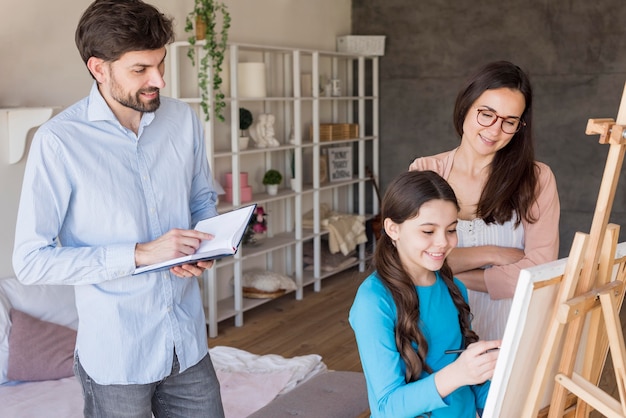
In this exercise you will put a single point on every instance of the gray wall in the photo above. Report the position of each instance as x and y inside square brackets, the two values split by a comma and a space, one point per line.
[574, 52]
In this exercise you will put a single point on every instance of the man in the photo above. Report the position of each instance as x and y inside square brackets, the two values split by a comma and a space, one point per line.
[117, 181]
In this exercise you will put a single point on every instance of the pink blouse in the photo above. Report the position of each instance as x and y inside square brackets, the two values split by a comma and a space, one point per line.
[541, 237]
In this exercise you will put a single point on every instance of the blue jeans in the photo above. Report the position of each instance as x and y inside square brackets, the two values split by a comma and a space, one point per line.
[193, 393]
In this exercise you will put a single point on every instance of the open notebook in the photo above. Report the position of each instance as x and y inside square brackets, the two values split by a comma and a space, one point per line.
[227, 228]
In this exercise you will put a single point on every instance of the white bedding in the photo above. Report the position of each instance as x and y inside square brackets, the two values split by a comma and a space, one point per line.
[248, 382]
[258, 379]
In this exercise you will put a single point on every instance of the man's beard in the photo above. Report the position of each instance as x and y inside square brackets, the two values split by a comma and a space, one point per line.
[135, 102]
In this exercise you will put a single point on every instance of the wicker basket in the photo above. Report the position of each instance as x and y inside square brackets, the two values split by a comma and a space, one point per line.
[336, 131]
[252, 293]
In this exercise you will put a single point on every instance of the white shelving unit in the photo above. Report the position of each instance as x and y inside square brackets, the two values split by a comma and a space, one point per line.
[282, 250]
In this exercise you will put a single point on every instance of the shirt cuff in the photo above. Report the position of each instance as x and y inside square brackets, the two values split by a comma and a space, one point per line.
[436, 401]
[120, 260]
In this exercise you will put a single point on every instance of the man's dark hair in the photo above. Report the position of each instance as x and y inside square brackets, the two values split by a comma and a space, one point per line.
[110, 28]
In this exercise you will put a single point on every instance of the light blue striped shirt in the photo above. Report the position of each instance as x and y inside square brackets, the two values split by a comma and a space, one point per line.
[93, 189]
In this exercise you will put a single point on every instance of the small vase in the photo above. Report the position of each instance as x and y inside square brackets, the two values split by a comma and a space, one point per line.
[272, 189]
[243, 142]
[294, 184]
[200, 28]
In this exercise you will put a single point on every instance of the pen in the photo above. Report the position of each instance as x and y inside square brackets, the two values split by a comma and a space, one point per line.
[460, 350]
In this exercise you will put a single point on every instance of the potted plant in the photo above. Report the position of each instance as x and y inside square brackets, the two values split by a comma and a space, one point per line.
[202, 24]
[293, 181]
[272, 179]
[245, 121]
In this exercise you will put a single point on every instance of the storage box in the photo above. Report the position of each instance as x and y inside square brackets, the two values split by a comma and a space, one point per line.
[246, 194]
[361, 44]
[243, 180]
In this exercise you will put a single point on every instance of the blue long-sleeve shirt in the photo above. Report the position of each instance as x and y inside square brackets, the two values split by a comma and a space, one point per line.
[373, 317]
[93, 189]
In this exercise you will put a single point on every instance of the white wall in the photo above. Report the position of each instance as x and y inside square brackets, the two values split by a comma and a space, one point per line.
[40, 66]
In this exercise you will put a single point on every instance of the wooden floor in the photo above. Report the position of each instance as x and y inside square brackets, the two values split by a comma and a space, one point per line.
[317, 324]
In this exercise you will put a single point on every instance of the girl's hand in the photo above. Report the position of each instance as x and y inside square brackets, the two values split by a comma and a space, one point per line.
[475, 365]
[479, 361]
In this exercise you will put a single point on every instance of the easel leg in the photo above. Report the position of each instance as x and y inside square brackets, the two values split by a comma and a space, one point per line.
[606, 298]
[549, 353]
[597, 343]
[610, 307]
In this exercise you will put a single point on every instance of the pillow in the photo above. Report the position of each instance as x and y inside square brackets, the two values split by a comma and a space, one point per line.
[51, 303]
[39, 350]
[267, 281]
[5, 326]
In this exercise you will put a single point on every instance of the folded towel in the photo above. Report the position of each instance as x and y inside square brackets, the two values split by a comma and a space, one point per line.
[345, 231]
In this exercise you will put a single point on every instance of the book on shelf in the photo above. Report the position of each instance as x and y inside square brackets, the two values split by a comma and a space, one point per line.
[227, 229]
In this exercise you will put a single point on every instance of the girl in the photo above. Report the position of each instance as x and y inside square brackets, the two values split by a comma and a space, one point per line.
[410, 311]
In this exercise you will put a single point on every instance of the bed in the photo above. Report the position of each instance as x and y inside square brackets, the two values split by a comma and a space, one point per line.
[37, 324]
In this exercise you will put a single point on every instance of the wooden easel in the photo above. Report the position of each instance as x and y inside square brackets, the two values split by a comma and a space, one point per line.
[586, 289]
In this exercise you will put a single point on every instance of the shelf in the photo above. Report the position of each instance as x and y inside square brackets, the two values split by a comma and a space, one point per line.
[282, 250]
[310, 279]
[268, 244]
[225, 306]
[222, 153]
[228, 153]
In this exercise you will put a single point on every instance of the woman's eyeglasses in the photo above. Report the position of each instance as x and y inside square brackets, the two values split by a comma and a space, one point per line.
[510, 125]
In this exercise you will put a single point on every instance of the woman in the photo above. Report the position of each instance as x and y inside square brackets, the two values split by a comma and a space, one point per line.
[410, 312]
[509, 216]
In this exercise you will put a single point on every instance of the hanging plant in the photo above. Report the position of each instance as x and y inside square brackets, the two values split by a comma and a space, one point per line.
[202, 24]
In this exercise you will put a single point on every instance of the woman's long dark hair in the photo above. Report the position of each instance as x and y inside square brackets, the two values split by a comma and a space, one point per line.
[402, 201]
[512, 184]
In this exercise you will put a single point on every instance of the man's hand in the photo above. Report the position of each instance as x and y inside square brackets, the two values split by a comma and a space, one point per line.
[191, 270]
[173, 244]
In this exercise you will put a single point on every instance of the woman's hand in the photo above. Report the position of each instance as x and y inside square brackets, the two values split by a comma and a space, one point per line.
[507, 255]
[471, 258]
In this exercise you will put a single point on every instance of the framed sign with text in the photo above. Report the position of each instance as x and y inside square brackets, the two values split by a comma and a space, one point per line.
[340, 163]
